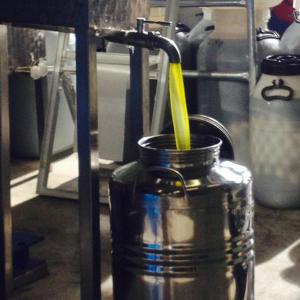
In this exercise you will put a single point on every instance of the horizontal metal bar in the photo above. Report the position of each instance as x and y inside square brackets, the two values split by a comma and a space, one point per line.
[69, 195]
[204, 3]
[58, 193]
[102, 58]
[243, 76]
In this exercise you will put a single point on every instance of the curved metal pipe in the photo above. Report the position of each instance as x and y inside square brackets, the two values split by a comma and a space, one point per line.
[146, 40]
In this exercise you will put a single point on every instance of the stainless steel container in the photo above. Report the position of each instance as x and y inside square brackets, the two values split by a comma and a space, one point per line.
[25, 46]
[204, 125]
[182, 224]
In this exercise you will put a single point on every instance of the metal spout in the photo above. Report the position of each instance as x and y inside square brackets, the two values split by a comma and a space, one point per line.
[148, 40]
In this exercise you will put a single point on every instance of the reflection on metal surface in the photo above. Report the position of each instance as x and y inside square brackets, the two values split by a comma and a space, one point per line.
[118, 14]
[25, 46]
[174, 241]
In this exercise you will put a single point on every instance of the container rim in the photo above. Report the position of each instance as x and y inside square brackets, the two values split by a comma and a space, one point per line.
[209, 142]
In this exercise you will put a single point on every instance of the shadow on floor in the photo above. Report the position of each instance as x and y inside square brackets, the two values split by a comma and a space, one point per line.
[20, 167]
[57, 221]
[275, 230]
[292, 274]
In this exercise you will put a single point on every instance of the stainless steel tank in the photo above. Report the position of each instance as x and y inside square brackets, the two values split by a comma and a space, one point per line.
[182, 224]
[25, 46]
[104, 14]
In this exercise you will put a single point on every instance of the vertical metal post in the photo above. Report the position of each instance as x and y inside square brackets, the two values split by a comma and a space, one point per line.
[135, 101]
[6, 269]
[70, 94]
[161, 96]
[51, 117]
[87, 134]
[41, 95]
[139, 106]
[146, 91]
[252, 45]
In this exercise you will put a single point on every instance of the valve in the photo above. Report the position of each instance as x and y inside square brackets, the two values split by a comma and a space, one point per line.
[140, 24]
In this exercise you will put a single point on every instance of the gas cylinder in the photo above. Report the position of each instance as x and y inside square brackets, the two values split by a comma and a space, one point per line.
[275, 132]
[226, 50]
[182, 224]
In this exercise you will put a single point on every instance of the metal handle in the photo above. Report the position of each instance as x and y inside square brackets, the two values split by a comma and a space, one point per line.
[162, 169]
[277, 85]
[140, 22]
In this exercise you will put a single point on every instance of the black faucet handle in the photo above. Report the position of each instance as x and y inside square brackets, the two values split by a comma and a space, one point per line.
[140, 22]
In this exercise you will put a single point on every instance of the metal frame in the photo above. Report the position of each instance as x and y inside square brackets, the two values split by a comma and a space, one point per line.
[87, 136]
[139, 66]
[58, 79]
[6, 267]
[51, 118]
[250, 76]
[243, 76]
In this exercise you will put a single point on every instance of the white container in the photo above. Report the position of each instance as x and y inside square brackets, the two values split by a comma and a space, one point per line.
[275, 133]
[226, 50]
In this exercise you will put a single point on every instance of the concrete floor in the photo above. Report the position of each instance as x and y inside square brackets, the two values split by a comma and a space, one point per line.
[277, 244]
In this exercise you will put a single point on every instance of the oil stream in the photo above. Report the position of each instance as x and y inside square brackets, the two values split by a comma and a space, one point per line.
[178, 108]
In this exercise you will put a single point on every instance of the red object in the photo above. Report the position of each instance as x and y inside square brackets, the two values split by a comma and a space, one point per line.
[284, 11]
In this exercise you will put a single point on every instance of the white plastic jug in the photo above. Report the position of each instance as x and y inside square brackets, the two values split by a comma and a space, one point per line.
[275, 133]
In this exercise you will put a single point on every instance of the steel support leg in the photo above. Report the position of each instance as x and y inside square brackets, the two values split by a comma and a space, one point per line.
[70, 94]
[6, 270]
[51, 118]
[87, 135]
[41, 97]
[137, 101]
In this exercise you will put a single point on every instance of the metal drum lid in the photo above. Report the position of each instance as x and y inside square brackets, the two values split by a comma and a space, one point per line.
[204, 125]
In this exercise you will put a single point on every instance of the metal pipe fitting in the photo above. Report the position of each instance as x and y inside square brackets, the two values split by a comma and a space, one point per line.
[147, 40]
